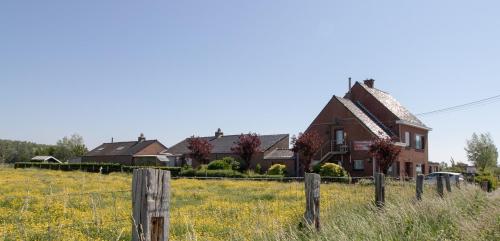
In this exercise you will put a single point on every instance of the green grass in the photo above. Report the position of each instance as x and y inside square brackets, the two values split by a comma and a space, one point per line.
[55, 205]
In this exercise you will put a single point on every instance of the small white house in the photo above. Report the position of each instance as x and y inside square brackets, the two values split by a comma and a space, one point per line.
[45, 159]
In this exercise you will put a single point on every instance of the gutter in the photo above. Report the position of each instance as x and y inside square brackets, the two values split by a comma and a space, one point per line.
[402, 122]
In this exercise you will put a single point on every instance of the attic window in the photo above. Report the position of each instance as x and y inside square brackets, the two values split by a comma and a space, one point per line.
[100, 149]
[120, 148]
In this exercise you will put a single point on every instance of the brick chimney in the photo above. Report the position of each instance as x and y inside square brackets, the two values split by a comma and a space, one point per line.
[141, 138]
[219, 133]
[370, 83]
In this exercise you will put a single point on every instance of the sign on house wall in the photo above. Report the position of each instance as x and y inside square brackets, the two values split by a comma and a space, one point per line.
[361, 145]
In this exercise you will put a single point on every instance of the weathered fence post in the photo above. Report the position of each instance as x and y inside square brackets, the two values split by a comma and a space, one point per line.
[484, 186]
[439, 183]
[150, 202]
[447, 181]
[420, 186]
[379, 189]
[312, 182]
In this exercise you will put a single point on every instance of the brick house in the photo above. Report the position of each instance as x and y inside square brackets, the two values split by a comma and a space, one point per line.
[140, 152]
[348, 124]
[274, 149]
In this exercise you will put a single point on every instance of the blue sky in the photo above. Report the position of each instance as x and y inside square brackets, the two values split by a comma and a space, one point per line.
[172, 69]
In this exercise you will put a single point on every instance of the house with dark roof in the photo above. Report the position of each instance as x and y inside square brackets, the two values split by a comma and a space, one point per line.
[274, 149]
[140, 152]
[348, 124]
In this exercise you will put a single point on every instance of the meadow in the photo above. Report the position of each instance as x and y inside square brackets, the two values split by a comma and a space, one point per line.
[54, 205]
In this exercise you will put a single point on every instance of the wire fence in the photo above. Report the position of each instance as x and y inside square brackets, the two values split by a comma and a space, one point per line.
[102, 208]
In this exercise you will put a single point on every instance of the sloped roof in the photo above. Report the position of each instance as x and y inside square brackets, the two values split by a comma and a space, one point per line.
[363, 118]
[44, 158]
[223, 144]
[279, 154]
[120, 148]
[394, 106]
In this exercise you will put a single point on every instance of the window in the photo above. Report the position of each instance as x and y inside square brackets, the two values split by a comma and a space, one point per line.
[120, 148]
[419, 142]
[100, 148]
[407, 138]
[418, 168]
[339, 137]
[359, 165]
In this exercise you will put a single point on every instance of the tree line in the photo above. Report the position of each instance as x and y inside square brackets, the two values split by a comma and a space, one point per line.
[22, 151]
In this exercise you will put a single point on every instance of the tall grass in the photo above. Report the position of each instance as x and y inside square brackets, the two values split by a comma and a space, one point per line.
[53, 205]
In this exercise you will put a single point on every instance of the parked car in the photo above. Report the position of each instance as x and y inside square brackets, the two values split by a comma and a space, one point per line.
[431, 178]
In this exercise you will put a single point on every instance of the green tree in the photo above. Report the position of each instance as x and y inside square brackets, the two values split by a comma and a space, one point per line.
[69, 147]
[481, 151]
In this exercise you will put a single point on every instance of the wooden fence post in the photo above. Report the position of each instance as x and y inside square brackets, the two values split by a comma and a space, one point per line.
[484, 185]
[420, 186]
[312, 182]
[379, 189]
[457, 181]
[439, 183]
[447, 181]
[151, 204]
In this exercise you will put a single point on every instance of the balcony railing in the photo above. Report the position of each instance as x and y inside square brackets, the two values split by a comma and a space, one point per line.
[331, 148]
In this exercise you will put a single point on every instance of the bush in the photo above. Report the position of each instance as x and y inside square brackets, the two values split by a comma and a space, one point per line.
[227, 163]
[488, 177]
[232, 162]
[218, 165]
[332, 170]
[104, 168]
[277, 169]
[317, 168]
[258, 169]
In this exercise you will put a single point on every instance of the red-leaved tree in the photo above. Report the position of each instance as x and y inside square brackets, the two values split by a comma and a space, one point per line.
[246, 146]
[306, 145]
[385, 153]
[200, 149]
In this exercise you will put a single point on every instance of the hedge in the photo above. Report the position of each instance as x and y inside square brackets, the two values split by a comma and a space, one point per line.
[92, 167]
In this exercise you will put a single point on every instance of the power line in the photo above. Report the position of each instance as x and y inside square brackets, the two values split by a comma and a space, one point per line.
[463, 106]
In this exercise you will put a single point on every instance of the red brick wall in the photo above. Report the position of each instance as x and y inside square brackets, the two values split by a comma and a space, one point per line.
[410, 154]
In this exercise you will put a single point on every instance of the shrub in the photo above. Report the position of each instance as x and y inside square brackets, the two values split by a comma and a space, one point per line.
[277, 169]
[218, 165]
[232, 162]
[258, 169]
[317, 168]
[227, 163]
[488, 177]
[332, 170]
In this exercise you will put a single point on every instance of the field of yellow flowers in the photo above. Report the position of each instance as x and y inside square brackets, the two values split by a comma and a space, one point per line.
[54, 205]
